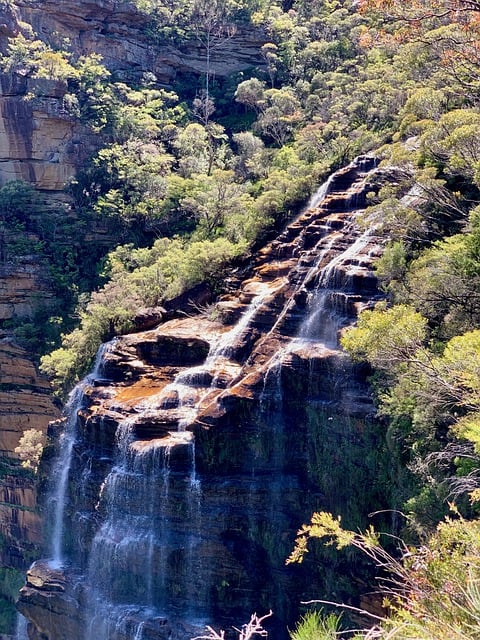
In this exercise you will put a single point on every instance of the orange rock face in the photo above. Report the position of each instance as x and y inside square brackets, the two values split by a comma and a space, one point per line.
[25, 403]
[203, 445]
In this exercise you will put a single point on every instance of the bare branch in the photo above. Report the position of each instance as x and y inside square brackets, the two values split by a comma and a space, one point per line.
[249, 630]
[346, 606]
[253, 627]
[212, 634]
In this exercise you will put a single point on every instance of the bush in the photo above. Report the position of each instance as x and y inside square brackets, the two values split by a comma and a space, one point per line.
[139, 278]
[431, 592]
[315, 626]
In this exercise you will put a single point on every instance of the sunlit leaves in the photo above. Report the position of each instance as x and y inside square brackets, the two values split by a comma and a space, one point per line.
[214, 199]
[431, 592]
[386, 337]
[30, 448]
[455, 140]
[322, 525]
[444, 284]
[139, 277]
[279, 110]
[134, 180]
[450, 28]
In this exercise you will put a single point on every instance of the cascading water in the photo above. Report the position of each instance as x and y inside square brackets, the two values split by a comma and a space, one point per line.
[193, 385]
[320, 194]
[128, 551]
[340, 247]
[323, 323]
[21, 628]
[195, 502]
[61, 469]
[126, 558]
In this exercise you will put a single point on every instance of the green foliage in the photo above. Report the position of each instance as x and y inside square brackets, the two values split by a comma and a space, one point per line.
[134, 180]
[323, 525]
[454, 141]
[30, 448]
[138, 278]
[431, 593]
[444, 285]
[178, 22]
[18, 200]
[218, 203]
[426, 394]
[22, 55]
[93, 99]
[391, 267]
[386, 337]
[314, 625]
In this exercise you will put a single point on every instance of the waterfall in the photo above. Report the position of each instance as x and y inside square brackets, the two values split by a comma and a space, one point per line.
[322, 323]
[320, 194]
[128, 567]
[135, 530]
[196, 378]
[196, 475]
[21, 628]
[124, 564]
[61, 469]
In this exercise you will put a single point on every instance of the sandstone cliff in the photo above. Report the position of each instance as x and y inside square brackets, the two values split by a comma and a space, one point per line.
[117, 31]
[201, 446]
[42, 144]
[39, 140]
[25, 403]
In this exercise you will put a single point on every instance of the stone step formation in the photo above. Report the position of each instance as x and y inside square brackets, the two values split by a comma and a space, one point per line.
[195, 455]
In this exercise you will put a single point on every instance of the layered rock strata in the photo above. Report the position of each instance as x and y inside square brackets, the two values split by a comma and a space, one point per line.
[42, 144]
[205, 443]
[118, 31]
[25, 403]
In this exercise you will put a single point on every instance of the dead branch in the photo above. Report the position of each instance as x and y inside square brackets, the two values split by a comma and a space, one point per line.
[252, 628]
[212, 634]
[346, 606]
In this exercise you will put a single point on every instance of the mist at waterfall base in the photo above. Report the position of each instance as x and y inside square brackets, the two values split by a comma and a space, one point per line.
[174, 516]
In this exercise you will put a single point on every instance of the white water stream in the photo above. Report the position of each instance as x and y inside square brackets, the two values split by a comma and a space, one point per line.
[61, 469]
[128, 569]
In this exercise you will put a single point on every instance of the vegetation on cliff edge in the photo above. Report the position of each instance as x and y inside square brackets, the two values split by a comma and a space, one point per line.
[191, 177]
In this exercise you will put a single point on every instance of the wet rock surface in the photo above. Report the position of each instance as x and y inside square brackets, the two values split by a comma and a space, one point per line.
[202, 446]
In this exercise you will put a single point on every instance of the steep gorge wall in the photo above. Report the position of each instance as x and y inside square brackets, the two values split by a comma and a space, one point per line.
[25, 403]
[202, 445]
[35, 146]
[42, 144]
[118, 32]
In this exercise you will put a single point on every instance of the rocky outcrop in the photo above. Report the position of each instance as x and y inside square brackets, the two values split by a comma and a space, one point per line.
[202, 444]
[25, 403]
[40, 142]
[53, 598]
[117, 31]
